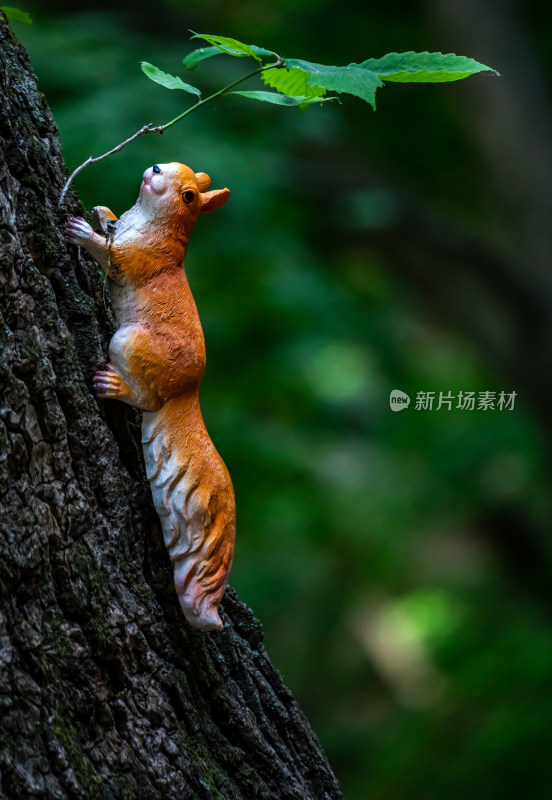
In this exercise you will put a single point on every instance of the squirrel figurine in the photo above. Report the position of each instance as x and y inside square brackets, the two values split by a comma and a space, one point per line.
[156, 363]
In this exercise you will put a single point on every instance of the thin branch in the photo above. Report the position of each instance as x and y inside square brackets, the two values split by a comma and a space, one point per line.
[149, 128]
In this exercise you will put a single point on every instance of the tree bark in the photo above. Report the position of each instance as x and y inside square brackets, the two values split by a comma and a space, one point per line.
[105, 690]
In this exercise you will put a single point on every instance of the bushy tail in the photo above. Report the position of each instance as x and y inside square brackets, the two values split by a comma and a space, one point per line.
[194, 499]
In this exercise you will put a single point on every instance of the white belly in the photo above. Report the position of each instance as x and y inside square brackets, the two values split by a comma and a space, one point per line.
[118, 351]
[124, 304]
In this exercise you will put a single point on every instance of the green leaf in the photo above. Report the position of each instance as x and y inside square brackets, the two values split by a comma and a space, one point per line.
[352, 79]
[424, 67]
[232, 47]
[169, 81]
[196, 56]
[291, 82]
[283, 99]
[16, 13]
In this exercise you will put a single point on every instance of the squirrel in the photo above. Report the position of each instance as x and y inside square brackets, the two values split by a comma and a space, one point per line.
[156, 363]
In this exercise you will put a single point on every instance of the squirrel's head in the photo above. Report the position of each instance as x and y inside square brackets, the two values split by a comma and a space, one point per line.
[173, 192]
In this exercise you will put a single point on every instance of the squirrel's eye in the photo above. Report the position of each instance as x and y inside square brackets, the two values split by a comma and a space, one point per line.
[188, 197]
[157, 168]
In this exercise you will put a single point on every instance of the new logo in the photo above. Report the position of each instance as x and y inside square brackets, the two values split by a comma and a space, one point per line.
[398, 400]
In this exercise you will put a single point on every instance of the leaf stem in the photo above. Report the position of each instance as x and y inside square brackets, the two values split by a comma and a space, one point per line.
[278, 64]
[150, 128]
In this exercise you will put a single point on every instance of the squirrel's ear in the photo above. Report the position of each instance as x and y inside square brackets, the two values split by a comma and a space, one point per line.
[210, 201]
[203, 181]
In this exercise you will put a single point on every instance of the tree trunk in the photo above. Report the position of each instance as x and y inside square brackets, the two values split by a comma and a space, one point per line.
[105, 690]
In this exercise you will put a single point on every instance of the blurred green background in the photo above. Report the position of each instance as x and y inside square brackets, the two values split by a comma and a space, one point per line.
[399, 562]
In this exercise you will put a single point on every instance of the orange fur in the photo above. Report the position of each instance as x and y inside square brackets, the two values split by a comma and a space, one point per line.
[157, 360]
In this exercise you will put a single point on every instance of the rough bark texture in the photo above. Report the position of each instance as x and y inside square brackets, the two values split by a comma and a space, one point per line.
[105, 690]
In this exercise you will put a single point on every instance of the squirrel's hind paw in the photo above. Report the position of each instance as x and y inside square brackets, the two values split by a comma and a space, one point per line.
[108, 384]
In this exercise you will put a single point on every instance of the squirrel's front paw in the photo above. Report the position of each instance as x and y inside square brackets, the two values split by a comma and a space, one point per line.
[78, 231]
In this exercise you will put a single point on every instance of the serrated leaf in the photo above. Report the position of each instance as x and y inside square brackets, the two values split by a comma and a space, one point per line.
[424, 67]
[283, 99]
[291, 82]
[17, 14]
[352, 79]
[196, 56]
[169, 81]
[232, 47]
